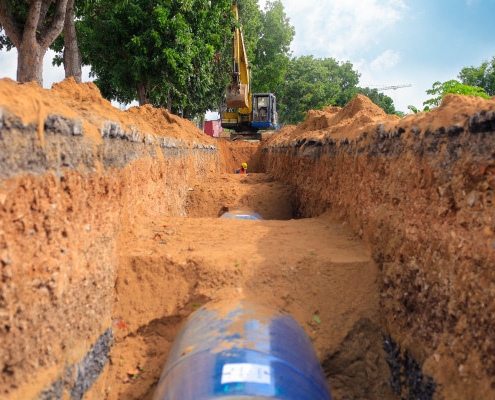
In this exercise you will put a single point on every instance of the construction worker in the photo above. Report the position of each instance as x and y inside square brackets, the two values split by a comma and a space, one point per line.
[243, 169]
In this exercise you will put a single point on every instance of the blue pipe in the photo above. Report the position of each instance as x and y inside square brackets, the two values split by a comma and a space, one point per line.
[242, 214]
[241, 351]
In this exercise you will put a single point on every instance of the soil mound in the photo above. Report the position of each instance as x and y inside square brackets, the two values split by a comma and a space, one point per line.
[361, 115]
[337, 122]
[83, 101]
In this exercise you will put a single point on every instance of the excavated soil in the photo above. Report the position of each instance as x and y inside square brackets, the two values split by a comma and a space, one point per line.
[172, 258]
[313, 268]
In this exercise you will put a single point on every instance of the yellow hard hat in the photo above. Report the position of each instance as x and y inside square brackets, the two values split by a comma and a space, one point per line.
[244, 165]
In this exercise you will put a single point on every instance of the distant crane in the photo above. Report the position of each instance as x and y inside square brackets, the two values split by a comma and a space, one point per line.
[394, 87]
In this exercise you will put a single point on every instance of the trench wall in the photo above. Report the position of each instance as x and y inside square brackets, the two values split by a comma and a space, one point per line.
[423, 201]
[64, 201]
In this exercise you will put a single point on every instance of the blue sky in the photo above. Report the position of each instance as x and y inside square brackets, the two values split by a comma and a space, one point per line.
[389, 42]
[396, 42]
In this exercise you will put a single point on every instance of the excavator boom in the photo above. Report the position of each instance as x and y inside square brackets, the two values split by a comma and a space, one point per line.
[239, 88]
[247, 113]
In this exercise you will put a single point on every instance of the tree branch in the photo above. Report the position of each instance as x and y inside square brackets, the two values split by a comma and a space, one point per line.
[56, 25]
[32, 21]
[45, 6]
[7, 21]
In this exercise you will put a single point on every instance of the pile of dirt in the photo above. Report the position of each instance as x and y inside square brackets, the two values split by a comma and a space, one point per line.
[83, 101]
[336, 122]
[362, 115]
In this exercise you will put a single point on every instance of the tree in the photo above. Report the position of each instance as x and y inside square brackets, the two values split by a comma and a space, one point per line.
[160, 52]
[31, 29]
[380, 99]
[343, 75]
[272, 54]
[439, 90]
[483, 76]
[312, 84]
[249, 21]
[72, 55]
[416, 110]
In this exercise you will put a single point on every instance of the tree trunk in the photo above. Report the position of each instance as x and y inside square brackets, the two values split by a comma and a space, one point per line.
[142, 94]
[72, 56]
[30, 62]
[33, 39]
[169, 102]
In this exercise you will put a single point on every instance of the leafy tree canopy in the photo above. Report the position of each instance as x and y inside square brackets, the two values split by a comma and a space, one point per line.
[312, 84]
[483, 76]
[441, 89]
[249, 21]
[272, 55]
[165, 51]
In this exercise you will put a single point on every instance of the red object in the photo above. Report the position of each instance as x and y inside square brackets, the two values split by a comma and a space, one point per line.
[213, 128]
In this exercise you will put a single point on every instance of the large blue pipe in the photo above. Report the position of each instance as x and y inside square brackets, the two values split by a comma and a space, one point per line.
[242, 214]
[241, 351]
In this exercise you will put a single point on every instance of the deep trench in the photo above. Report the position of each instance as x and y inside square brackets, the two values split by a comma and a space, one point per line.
[345, 367]
[351, 365]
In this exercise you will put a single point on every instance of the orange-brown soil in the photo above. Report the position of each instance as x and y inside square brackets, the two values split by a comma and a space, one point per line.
[156, 222]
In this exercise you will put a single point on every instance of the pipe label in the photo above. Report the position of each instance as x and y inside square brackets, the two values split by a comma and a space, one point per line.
[245, 372]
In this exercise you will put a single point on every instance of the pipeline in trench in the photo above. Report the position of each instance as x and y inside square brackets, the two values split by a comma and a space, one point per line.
[313, 269]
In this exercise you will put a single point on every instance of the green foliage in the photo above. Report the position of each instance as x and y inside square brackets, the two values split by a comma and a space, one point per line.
[483, 76]
[312, 84]
[440, 89]
[416, 110]
[272, 56]
[167, 48]
[249, 20]
[5, 42]
[380, 99]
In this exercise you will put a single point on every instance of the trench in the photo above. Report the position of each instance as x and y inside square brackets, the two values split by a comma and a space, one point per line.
[127, 255]
[313, 268]
[110, 238]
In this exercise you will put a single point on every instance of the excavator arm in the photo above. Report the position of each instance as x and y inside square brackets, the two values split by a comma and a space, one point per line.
[239, 89]
[247, 113]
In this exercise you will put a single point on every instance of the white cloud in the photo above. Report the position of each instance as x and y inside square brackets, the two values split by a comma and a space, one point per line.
[387, 60]
[340, 29]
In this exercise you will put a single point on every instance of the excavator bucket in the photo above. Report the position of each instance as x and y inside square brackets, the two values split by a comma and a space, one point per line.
[237, 96]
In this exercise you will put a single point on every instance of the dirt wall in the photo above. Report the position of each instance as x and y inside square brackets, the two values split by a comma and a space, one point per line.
[419, 190]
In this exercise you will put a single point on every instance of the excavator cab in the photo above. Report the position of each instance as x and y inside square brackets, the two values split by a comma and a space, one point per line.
[260, 116]
[264, 112]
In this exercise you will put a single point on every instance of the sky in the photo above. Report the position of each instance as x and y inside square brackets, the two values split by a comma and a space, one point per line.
[396, 42]
[389, 42]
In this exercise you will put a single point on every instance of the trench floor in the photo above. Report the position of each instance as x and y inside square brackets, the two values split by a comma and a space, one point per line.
[312, 268]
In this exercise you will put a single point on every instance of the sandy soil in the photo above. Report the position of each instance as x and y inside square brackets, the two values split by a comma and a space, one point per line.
[312, 268]
[169, 266]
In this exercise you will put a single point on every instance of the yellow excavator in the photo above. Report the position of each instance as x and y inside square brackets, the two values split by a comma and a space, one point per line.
[247, 113]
